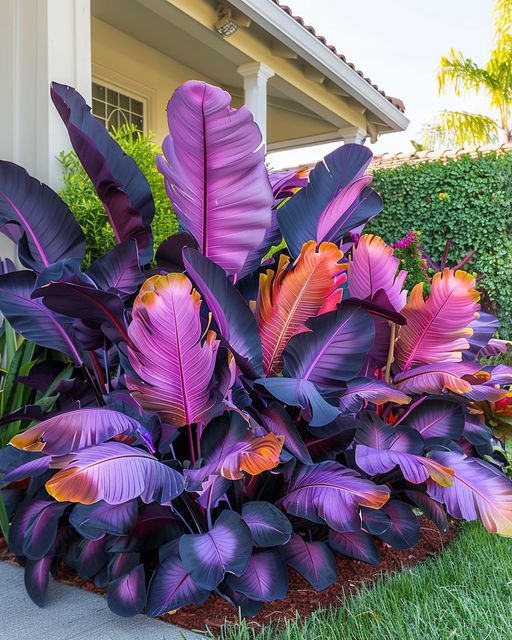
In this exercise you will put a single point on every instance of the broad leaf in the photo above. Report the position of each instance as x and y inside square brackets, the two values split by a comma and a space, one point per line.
[313, 560]
[404, 531]
[166, 351]
[126, 595]
[118, 271]
[36, 577]
[437, 417]
[265, 578]
[48, 231]
[269, 526]
[214, 172]
[355, 544]
[277, 421]
[361, 391]
[115, 473]
[93, 521]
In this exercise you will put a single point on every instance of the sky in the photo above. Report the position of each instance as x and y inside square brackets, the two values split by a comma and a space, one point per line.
[398, 44]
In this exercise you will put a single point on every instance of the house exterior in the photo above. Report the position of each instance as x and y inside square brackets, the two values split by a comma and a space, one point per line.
[127, 56]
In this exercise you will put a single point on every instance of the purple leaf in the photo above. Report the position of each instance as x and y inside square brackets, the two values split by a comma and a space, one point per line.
[34, 527]
[269, 526]
[48, 231]
[329, 492]
[91, 557]
[437, 418]
[94, 521]
[37, 574]
[355, 544]
[404, 531]
[361, 391]
[334, 349]
[115, 473]
[31, 469]
[74, 430]
[121, 564]
[126, 595]
[330, 440]
[156, 526]
[118, 271]
[236, 322]
[169, 255]
[226, 548]
[171, 587]
[86, 303]
[476, 432]
[31, 319]
[298, 218]
[479, 491]
[215, 174]
[118, 181]
[431, 509]
[277, 421]
[265, 578]
[484, 327]
[313, 560]
[301, 393]
[374, 521]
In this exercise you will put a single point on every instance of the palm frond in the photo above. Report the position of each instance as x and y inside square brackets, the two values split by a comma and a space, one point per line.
[461, 74]
[460, 128]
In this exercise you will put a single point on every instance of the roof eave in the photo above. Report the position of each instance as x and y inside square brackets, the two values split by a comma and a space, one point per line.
[282, 26]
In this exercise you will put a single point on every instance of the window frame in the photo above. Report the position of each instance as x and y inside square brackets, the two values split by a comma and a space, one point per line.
[129, 93]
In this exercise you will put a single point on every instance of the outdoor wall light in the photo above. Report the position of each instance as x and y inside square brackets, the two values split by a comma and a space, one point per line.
[225, 25]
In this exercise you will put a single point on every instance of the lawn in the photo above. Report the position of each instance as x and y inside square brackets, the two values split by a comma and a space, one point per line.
[466, 593]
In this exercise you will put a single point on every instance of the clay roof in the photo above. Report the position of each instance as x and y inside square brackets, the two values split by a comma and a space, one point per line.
[394, 101]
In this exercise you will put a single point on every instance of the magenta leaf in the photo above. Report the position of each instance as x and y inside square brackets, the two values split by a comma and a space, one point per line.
[355, 544]
[269, 526]
[313, 560]
[265, 578]
[226, 548]
[215, 174]
[362, 391]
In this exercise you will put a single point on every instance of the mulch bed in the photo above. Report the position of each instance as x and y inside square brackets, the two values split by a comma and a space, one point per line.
[301, 598]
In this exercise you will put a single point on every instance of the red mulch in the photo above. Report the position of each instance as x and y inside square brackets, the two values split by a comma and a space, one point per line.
[301, 598]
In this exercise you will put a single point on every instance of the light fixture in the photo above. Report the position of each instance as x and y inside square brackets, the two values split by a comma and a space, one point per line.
[225, 24]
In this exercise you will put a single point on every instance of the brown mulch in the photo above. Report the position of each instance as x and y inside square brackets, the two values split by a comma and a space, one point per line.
[301, 598]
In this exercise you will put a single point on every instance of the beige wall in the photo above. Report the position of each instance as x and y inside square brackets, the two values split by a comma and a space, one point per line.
[121, 60]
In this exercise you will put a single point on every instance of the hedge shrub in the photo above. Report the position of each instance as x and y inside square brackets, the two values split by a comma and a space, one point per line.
[80, 196]
[466, 200]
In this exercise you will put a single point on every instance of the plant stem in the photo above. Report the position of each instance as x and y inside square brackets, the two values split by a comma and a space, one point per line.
[90, 380]
[191, 443]
[391, 352]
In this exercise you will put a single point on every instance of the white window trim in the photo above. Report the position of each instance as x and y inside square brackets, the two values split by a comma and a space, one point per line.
[119, 88]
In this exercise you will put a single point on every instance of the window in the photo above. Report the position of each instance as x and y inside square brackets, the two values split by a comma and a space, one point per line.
[113, 108]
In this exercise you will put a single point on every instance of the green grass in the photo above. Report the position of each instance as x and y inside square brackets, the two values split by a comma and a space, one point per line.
[464, 594]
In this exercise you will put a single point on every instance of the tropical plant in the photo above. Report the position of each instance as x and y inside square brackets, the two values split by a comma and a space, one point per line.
[494, 80]
[242, 416]
[79, 194]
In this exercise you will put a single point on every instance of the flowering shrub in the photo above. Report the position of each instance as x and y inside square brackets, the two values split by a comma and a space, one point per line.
[228, 419]
[408, 250]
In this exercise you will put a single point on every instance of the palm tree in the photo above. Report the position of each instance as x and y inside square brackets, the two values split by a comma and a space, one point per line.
[494, 80]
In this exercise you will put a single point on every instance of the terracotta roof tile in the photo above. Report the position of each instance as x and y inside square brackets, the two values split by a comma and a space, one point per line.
[396, 102]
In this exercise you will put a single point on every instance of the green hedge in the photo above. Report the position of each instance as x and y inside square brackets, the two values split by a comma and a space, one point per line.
[466, 200]
[80, 196]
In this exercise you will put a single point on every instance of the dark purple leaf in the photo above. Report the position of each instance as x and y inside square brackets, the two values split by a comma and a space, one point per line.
[236, 322]
[171, 587]
[34, 528]
[269, 526]
[334, 350]
[484, 327]
[120, 184]
[169, 255]
[156, 526]
[437, 418]
[476, 432]
[265, 578]
[329, 492]
[118, 271]
[361, 391]
[313, 560]
[37, 574]
[94, 520]
[126, 595]
[49, 230]
[404, 531]
[91, 557]
[277, 421]
[31, 318]
[431, 509]
[355, 544]
[86, 303]
[331, 439]
[121, 564]
[298, 218]
[226, 548]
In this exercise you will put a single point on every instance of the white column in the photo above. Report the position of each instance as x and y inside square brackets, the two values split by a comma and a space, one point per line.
[40, 41]
[256, 75]
[353, 134]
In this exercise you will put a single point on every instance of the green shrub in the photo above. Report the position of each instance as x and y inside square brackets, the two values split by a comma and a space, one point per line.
[466, 200]
[80, 196]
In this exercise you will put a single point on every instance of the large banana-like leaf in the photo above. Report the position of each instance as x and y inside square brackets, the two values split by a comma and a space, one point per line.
[215, 174]
[114, 472]
[437, 328]
[290, 297]
[479, 490]
[174, 365]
